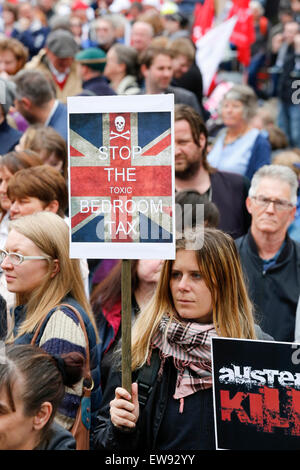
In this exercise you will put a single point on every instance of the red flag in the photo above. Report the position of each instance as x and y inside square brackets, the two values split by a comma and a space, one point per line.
[243, 34]
[204, 16]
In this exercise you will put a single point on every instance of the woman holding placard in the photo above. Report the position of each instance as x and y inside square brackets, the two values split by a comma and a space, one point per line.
[106, 304]
[201, 294]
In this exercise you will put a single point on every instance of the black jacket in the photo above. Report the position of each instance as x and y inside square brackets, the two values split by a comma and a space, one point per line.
[229, 192]
[145, 436]
[58, 438]
[285, 81]
[194, 429]
[274, 292]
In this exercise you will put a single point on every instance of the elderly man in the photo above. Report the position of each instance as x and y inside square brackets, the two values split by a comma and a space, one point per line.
[271, 260]
[105, 32]
[141, 36]
[56, 60]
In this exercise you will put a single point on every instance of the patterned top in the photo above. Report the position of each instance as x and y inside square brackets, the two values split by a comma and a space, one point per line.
[61, 333]
[190, 347]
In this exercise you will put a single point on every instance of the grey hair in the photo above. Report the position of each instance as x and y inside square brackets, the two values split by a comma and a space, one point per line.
[35, 86]
[127, 55]
[246, 96]
[108, 18]
[276, 172]
[258, 5]
[146, 25]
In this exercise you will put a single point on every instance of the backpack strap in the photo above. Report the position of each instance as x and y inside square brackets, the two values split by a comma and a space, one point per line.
[147, 377]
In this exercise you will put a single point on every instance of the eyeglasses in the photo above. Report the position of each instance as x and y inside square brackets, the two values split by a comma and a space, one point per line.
[279, 204]
[17, 258]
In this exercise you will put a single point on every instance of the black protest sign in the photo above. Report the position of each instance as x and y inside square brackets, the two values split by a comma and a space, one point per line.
[256, 394]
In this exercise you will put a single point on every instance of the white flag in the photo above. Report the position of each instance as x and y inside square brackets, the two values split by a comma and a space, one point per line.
[211, 48]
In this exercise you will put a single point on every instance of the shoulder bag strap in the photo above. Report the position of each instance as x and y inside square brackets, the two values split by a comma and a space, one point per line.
[87, 367]
[38, 329]
[80, 319]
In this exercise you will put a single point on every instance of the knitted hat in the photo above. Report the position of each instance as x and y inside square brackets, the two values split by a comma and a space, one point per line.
[93, 57]
[62, 43]
[7, 94]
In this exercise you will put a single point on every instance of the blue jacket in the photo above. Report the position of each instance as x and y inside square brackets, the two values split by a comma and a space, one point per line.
[34, 40]
[260, 155]
[59, 120]
[99, 86]
[9, 137]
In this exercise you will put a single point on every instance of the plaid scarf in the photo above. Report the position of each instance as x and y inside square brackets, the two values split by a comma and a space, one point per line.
[189, 345]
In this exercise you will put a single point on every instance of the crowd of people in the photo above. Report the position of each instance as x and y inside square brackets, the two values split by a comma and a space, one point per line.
[235, 275]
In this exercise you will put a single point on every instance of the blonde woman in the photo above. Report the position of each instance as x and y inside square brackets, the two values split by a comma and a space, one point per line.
[37, 268]
[200, 295]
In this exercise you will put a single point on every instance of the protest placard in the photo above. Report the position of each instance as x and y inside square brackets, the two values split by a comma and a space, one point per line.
[121, 186]
[256, 388]
[121, 181]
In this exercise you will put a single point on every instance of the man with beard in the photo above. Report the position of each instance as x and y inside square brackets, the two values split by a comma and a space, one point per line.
[227, 190]
[105, 33]
[35, 100]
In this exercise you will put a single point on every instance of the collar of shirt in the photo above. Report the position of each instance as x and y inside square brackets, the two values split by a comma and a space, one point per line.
[60, 76]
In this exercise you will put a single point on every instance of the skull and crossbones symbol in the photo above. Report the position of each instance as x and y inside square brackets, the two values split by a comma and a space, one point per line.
[119, 124]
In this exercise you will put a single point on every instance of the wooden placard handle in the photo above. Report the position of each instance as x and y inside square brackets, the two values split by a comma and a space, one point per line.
[126, 324]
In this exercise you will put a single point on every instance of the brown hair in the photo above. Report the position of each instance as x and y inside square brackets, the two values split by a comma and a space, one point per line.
[154, 18]
[288, 158]
[184, 112]
[43, 377]
[14, 9]
[148, 56]
[277, 138]
[17, 48]
[159, 42]
[182, 46]
[47, 140]
[42, 182]
[15, 161]
[220, 267]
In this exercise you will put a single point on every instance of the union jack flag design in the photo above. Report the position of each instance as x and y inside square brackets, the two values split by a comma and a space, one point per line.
[121, 177]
